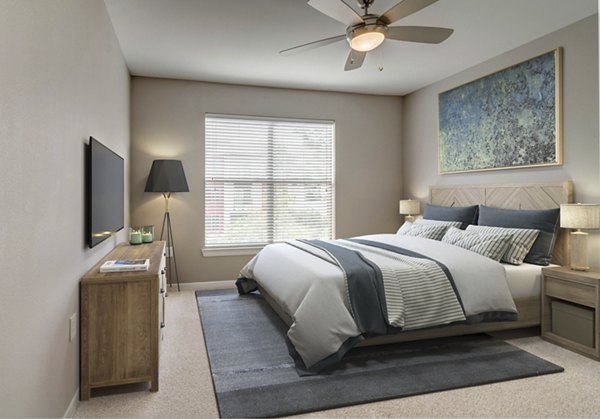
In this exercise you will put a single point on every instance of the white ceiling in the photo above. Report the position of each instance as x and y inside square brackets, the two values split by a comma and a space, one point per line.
[237, 41]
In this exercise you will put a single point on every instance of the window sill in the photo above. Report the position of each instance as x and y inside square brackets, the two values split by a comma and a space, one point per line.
[231, 251]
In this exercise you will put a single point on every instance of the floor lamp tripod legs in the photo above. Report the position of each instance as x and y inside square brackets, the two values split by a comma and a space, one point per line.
[170, 249]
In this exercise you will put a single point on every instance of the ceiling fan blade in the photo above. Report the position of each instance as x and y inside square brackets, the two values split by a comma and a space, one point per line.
[312, 45]
[355, 60]
[338, 10]
[403, 9]
[423, 34]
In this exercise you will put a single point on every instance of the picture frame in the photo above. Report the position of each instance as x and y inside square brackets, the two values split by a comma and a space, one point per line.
[509, 119]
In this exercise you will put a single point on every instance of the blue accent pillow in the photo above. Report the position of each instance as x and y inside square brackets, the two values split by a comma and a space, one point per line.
[547, 221]
[466, 215]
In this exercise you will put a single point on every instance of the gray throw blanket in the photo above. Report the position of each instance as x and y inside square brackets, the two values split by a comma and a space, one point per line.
[390, 288]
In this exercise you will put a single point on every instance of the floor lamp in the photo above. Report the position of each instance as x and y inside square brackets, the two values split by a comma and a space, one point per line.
[167, 176]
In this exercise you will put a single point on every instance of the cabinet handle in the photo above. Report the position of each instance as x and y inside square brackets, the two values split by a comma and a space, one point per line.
[163, 271]
[162, 325]
[162, 290]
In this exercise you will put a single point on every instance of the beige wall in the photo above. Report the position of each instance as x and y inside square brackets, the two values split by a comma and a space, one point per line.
[167, 120]
[62, 79]
[580, 118]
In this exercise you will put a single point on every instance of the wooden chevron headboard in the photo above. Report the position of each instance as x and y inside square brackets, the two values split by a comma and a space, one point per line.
[527, 196]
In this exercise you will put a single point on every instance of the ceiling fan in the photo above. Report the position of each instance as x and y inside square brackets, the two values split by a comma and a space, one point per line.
[365, 33]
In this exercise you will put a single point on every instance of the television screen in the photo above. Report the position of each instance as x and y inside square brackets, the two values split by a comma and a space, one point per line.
[106, 192]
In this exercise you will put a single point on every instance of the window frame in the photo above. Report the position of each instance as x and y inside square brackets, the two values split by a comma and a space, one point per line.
[244, 250]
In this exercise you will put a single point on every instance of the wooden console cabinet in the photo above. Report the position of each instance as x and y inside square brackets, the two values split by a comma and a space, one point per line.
[122, 316]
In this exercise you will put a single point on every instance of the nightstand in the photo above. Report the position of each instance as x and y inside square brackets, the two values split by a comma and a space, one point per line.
[572, 299]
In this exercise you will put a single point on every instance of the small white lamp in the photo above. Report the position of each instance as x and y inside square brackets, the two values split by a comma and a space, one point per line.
[578, 216]
[410, 208]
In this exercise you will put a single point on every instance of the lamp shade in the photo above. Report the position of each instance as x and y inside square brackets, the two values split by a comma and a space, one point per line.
[410, 207]
[166, 176]
[586, 216]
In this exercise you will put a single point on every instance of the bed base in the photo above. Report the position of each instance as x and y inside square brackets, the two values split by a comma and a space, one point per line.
[515, 196]
[528, 309]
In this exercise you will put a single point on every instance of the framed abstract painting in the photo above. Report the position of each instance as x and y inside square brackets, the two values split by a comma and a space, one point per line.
[508, 119]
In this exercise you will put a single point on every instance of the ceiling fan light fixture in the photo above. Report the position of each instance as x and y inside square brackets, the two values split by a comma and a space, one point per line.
[366, 38]
[367, 31]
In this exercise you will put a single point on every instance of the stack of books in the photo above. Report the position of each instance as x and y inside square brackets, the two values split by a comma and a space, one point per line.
[125, 265]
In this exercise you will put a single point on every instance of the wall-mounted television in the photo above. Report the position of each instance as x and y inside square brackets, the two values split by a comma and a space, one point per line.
[105, 192]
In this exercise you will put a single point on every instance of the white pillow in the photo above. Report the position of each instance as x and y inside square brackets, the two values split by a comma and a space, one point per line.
[433, 232]
[456, 224]
[520, 244]
[492, 246]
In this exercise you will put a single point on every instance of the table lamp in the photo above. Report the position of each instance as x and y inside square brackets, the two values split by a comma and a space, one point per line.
[167, 176]
[577, 217]
[410, 208]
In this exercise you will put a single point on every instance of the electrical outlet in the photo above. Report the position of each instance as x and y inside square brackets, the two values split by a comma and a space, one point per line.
[72, 327]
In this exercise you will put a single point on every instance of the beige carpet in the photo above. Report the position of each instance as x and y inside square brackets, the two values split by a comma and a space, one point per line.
[186, 387]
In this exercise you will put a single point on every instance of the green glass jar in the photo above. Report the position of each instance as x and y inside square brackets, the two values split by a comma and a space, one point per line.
[135, 235]
[147, 234]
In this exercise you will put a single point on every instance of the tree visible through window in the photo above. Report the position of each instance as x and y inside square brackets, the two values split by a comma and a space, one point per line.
[267, 180]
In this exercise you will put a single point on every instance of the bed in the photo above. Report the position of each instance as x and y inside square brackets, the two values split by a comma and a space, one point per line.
[522, 282]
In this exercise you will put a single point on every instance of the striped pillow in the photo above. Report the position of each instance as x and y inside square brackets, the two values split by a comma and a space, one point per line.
[520, 244]
[433, 232]
[456, 224]
[492, 246]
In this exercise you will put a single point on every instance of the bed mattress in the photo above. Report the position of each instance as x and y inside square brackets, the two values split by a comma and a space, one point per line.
[524, 281]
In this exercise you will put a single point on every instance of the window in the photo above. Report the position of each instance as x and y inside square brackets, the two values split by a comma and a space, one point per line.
[267, 180]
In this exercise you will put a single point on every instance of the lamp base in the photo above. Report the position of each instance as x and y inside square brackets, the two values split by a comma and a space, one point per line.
[409, 218]
[170, 250]
[579, 251]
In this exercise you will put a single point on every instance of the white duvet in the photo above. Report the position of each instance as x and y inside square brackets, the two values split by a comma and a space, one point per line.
[312, 291]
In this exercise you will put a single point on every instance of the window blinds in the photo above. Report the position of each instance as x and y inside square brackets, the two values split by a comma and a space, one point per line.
[267, 180]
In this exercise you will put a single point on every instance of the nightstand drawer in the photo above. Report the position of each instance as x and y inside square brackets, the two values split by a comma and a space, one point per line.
[573, 322]
[571, 291]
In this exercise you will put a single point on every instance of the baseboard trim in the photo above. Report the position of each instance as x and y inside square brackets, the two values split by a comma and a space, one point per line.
[206, 286]
[70, 413]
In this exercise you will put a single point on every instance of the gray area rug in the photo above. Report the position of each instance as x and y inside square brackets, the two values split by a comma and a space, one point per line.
[254, 375]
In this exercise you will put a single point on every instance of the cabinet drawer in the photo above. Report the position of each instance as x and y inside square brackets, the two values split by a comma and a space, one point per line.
[573, 322]
[570, 291]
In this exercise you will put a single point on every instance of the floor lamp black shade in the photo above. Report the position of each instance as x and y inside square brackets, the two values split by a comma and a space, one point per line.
[167, 176]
